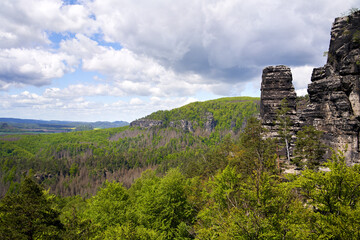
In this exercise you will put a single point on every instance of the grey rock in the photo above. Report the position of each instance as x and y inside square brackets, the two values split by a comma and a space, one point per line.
[276, 85]
[209, 123]
[183, 125]
[146, 123]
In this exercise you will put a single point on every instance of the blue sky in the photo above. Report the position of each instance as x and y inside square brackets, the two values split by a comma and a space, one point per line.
[107, 60]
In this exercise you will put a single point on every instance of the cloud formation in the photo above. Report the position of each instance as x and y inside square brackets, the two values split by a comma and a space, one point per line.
[53, 103]
[229, 39]
[32, 66]
[149, 53]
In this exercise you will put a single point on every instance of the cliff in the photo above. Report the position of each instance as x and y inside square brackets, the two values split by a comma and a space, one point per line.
[334, 91]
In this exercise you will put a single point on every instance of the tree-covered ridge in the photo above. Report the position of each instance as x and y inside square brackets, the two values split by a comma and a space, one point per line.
[79, 162]
[228, 113]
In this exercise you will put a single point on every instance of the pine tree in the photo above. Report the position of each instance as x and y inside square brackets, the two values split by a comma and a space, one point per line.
[28, 214]
[308, 147]
[284, 122]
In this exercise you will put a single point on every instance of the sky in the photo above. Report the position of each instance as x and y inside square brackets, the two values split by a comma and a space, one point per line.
[120, 60]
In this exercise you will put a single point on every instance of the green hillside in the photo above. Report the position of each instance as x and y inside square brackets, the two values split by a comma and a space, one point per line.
[79, 162]
[228, 113]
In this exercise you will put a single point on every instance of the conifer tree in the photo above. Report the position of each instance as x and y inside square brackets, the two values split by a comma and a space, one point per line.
[28, 214]
[308, 147]
[284, 121]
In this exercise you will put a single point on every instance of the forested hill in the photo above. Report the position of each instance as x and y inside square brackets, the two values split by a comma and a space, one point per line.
[220, 114]
[79, 162]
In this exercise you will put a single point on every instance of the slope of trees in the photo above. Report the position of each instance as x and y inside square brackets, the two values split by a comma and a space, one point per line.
[229, 113]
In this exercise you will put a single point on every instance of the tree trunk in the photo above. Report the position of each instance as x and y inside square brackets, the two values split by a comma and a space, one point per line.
[287, 150]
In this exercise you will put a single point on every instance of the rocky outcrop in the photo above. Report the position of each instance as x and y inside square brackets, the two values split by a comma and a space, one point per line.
[276, 85]
[334, 91]
[146, 123]
[183, 125]
[209, 123]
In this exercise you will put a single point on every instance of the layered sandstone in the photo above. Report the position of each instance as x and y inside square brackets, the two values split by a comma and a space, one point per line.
[276, 85]
[334, 89]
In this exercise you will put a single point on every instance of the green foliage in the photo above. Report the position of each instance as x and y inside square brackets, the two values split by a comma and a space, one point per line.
[334, 195]
[284, 123]
[308, 148]
[29, 214]
[72, 216]
[255, 152]
[108, 207]
[130, 231]
[161, 204]
[237, 193]
[356, 36]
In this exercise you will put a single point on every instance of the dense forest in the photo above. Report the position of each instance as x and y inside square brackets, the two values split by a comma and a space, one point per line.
[165, 183]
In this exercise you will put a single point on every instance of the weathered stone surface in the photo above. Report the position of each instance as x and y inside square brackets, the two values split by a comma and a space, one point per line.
[334, 91]
[210, 123]
[146, 123]
[182, 124]
[276, 85]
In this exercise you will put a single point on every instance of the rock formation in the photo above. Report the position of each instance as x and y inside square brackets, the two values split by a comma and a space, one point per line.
[210, 123]
[182, 124]
[334, 91]
[276, 85]
[146, 123]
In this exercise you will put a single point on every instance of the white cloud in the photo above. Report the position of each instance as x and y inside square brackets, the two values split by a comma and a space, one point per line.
[134, 74]
[136, 101]
[28, 105]
[301, 77]
[301, 92]
[25, 23]
[31, 66]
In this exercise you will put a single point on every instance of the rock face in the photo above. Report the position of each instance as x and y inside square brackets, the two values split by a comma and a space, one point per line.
[334, 91]
[210, 123]
[276, 85]
[146, 123]
[182, 124]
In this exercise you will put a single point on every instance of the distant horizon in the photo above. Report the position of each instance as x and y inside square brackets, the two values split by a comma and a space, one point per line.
[92, 60]
[37, 119]
[57, 120]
